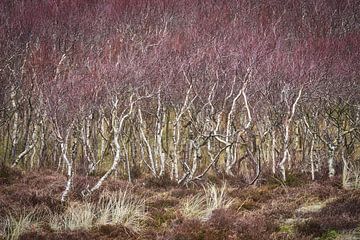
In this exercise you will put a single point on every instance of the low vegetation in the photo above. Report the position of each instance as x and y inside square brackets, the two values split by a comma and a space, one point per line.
[77, 216]
[14, 227]
[311, 210]
[202, 205]
[123, 208]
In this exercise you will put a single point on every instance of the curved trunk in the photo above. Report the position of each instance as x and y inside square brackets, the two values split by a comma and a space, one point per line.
[117, 126]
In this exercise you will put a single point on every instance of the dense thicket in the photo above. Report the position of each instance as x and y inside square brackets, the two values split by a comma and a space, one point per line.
[181, 89]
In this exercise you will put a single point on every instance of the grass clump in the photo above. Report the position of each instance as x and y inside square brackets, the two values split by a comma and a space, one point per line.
[77, 216]
[14, 227]
[287, 228]
[202, 205]
[121, 208]
[111, 209]
[194, 207]
[329, 235]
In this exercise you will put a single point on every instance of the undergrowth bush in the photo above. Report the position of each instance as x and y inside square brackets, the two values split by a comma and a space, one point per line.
[8, 175]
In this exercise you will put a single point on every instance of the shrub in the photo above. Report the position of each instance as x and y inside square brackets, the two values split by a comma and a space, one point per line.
[329, 235]
[8, 175]
[192, 229]
[254, 226]
[310, 228]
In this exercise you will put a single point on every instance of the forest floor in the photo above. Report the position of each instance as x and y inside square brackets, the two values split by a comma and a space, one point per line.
[299, 209]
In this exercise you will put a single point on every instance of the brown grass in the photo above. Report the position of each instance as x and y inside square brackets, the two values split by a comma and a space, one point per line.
[341, 214]
[105, 232]
[256, 212]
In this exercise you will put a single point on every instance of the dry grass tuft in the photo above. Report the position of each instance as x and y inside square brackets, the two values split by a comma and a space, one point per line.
[111, 209]
[121, 208]
[194, 207]
[15, 226]
[201, 206]
[77, 216]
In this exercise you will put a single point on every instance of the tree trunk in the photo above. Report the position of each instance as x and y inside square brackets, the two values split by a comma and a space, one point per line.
[312, 159]
[331, 153]
[69, 165]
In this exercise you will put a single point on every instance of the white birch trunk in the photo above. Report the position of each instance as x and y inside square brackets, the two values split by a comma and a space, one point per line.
[231, 151]
[117, 127]
[285, 151]
[69, 166]
[331, 153]
[176, 141]
[273, 155]
[147, 144]
[287, 122]
[15, 126]
[28, 147]
[103, 141]
[159, 133]
[88, 151]
[345, 171]
[312, 159]
[176, 134]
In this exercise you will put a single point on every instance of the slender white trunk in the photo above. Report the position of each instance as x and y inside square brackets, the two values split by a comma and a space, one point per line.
[176, 134]
[176, 141]
[85, 139]
[285, 151]
[127, 162]
[42, 141]
[345, 171]
[147, 144]
[33, 155]
[28, 147]
[312, 159]
[196, 158]
[142, 155]
[331, 153]
[69, 166]
[231, 151]
[116, 129]
[88, 151]
[117, 125]
[287, 122]
[15, 126]
[273, 155]
[160, 118]
[161, 152]
[229, 136]
[59, 160]
[103, 141]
